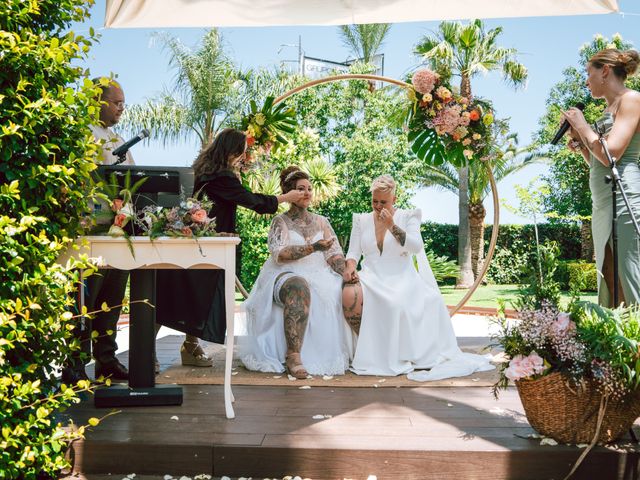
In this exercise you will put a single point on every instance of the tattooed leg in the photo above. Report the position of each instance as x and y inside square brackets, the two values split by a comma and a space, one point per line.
[399, 234]
[352, 305]
[296, 298]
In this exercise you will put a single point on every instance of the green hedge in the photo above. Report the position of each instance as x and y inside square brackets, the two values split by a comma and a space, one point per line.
[515, 247]
[579, 276]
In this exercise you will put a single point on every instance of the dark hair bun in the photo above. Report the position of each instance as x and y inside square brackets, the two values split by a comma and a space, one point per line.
[285, 173]
[629, 59]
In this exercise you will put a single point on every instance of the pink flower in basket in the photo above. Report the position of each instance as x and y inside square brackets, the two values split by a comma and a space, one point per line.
[563, 324]
[424, 80]
[199, 216]
[523, 367]
[186, 231]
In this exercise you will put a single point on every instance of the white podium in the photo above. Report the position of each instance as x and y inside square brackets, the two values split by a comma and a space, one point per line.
[161, 253]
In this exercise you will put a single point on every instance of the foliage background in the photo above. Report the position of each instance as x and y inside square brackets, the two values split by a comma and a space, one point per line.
[46, 153]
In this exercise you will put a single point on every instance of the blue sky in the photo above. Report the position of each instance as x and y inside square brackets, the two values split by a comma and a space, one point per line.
[547, 46]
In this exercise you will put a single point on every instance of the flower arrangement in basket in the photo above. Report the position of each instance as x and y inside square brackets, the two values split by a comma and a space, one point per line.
[266, 128]
[577, 371]
[445, 126]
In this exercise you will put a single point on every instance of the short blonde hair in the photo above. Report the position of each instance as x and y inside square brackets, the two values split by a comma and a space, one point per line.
[383, 183]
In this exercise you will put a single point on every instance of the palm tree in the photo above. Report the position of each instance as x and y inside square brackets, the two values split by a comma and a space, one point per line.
[205, 84]
[506, 160]
[365, 40]
[465, 51]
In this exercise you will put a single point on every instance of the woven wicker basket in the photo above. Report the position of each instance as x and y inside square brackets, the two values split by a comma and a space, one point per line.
[568, 413]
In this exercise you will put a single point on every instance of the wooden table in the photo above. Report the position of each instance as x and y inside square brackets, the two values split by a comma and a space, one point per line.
[148, 256]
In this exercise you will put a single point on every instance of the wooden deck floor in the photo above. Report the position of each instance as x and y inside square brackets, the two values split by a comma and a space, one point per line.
[400, 433]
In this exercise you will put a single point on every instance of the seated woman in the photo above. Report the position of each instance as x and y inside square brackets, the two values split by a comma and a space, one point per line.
[401, 318]
[294, 315]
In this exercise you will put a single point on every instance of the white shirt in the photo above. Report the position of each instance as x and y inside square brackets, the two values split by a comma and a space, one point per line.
[111, 141]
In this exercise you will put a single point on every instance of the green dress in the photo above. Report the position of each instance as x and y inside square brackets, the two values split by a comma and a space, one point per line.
[628, 241]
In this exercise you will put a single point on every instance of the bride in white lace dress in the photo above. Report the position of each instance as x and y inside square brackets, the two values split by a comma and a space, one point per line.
[400, 315]
[294, 313]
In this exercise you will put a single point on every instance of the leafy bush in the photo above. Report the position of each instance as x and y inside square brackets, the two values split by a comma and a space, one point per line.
[577, 276]
[253, 230]
[583, 277]
[46, 155]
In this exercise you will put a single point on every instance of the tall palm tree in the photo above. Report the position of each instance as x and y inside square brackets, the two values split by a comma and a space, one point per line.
[364, 40]
[205, 83]
[506, 160]
[466, 51]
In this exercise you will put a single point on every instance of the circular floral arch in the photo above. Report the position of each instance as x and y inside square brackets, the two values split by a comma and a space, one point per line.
[494, 191]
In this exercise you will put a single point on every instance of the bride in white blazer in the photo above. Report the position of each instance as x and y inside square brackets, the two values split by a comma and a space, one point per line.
[393, 303]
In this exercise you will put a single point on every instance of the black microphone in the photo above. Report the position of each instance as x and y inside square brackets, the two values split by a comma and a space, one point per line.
[565, 126]
[122, 149]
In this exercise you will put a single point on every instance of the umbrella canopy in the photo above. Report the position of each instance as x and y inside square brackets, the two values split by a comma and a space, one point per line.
[261, 13]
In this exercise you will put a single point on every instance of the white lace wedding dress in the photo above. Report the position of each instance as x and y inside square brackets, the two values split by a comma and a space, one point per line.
[405, 323]
[328, 341]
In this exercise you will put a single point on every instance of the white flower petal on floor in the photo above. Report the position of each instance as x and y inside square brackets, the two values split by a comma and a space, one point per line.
[175, 417]
[548, 441]
[304, 387]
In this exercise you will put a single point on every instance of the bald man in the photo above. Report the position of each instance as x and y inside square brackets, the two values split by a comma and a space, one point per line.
[108, 285]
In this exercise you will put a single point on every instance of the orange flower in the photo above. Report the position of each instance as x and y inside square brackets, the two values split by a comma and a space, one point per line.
[474, 115]
[186, 231]
[250, 141]
[120, 220]
[116, 205]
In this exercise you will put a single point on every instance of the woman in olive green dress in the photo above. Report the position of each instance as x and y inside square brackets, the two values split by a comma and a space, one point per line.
[607, 71]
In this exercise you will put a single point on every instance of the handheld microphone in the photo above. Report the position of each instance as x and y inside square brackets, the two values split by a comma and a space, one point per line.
[565, 126]
[122, 149]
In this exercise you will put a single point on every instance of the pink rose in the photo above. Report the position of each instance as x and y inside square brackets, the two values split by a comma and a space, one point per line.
[116, 205]
[533, 363]
[120, 220]
[199, 216]
[186, 231]
[523, 367]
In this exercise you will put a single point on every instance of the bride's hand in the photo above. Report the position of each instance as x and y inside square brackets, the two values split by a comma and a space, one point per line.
[386, 217]
[322, 245]
[349, 275]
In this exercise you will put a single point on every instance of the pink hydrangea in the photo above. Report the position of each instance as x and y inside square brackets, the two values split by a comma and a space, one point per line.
[447, 119]
[424, 80]
[523, 367]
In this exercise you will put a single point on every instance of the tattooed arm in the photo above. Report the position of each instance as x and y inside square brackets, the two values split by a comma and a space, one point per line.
[399, 234]
[296, 252]
[337, 263]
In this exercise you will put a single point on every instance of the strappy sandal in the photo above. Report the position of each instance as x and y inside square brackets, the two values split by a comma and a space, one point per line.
[194, 355]
[295, 368]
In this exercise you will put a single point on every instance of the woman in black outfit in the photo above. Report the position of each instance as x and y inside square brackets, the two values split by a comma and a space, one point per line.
[192, 301]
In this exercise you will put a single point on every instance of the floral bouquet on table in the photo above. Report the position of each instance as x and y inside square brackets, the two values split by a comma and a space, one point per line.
[445, 126]
[188, 219]
[267, 128]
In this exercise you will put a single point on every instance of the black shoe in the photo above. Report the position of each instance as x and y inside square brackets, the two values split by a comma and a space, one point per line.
[114, 370]
[71, 376]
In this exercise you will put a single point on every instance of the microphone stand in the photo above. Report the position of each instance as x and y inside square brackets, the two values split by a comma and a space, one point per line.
[616, 183]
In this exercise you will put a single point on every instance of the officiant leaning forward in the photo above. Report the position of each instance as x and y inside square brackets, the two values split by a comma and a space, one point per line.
[192, 301]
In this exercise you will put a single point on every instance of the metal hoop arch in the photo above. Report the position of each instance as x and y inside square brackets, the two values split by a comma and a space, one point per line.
[492, 181]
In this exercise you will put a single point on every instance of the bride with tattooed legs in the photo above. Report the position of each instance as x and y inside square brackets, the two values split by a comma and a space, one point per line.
[294, 313]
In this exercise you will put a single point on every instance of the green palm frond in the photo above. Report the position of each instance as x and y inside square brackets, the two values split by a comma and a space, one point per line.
[364, 40]
[323, 178]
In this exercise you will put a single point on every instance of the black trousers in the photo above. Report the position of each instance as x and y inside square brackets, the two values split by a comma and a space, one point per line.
[106, 286]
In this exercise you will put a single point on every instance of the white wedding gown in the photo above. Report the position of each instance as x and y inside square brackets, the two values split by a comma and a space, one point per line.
[328, 342]
[405, 323]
